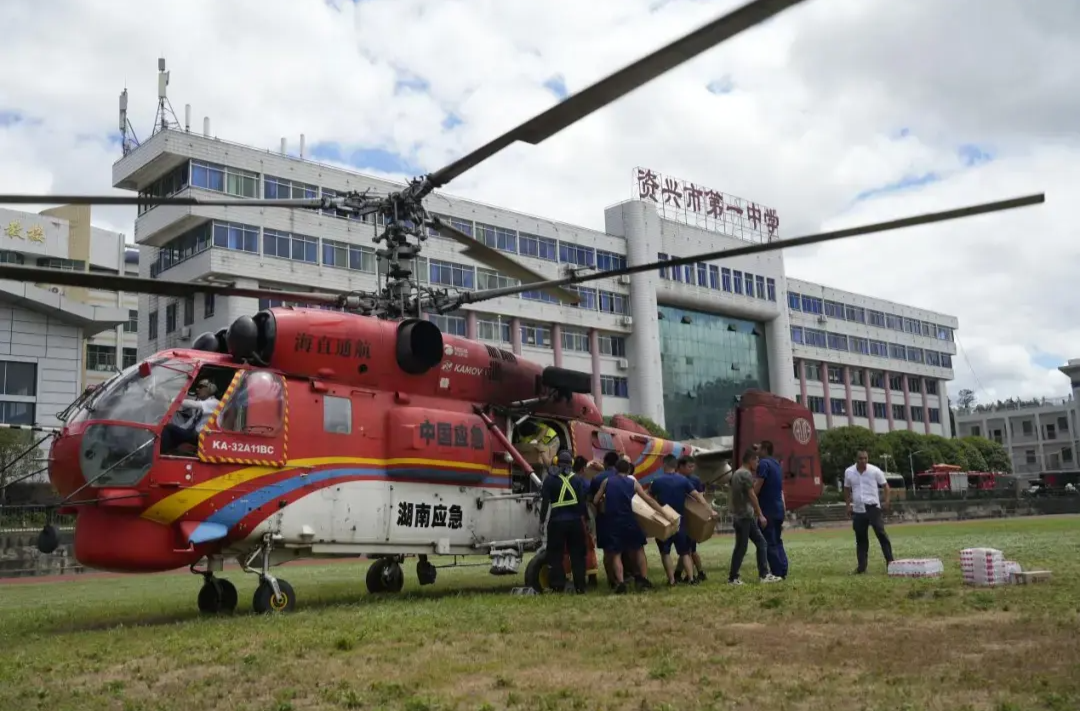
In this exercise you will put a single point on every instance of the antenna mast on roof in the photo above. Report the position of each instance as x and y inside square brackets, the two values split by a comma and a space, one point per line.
[126, 144]
[164, 109]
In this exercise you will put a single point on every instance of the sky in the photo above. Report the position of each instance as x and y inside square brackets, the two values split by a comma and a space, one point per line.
[835, 113]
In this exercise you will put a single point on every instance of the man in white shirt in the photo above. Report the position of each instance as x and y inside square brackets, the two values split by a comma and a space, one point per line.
[861, 482]
[174, 435]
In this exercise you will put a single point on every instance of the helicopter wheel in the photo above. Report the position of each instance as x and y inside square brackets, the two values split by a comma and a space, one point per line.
[536, 573]
[385, 575]
[217, 595]
[264, 601]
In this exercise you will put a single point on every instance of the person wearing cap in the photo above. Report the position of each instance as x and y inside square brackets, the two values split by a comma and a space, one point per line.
[173, 435]
[624, 534]
[564, 493]
[610, 459]
[671, 489]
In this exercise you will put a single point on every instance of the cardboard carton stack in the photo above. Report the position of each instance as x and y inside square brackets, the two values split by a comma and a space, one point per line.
[983, 566]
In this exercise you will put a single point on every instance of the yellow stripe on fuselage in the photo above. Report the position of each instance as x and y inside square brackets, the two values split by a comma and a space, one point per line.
[176, 505]
[652, 453]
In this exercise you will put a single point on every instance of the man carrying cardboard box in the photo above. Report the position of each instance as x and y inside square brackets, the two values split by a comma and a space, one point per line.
[685, 466]
[671, 489]
[599, 515]
[747, 516]
[624, 535]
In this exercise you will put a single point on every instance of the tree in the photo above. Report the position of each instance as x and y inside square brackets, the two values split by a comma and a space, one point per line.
[995, 458]
[12, 444]
[965, 400]
[654, 429]
[839, 445]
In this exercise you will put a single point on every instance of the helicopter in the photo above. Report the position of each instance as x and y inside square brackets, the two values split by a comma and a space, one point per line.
[353, 426]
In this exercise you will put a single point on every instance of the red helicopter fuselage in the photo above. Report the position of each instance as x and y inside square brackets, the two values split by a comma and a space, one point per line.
[312, 401]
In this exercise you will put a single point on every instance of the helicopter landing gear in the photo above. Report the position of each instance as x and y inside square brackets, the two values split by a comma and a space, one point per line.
[273, 594]
[216, 594]
[386, 575]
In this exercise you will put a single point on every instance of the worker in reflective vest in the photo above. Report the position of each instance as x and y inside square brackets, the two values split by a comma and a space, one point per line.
[564, 494]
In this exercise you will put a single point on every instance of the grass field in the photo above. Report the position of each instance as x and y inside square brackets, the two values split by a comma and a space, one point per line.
[821, 640]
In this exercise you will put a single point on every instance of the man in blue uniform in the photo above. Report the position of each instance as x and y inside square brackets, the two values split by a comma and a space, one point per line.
[769, 486]
[685, 466]
[671, 489]
[624, 535]
[601, 520]
[565, 493]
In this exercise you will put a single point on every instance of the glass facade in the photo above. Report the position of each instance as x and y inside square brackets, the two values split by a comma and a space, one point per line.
[708, 361]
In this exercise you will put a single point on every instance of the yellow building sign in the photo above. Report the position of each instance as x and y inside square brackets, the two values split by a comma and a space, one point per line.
[14, 231]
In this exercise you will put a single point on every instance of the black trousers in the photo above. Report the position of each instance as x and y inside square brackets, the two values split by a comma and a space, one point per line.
[862, 523]
[563, 536]
[746, 530]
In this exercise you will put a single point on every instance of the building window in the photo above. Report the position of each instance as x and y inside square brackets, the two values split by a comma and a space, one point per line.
[815, 404]
[275, 188]
[877, 318]
[341, 255]
[284, 245]
[536, 336]
[170, 317]
[793, 301]
[498, 238]
[770, 289]
[539, 296]
[836, 375]
[491, 279]
[896, 383]
[18, 413]
[235, 236]
[208, 305]
[856, 376]
[838, 406]
[100, 358]
[496, 330]
[916, 413]
[189, 310]
[837, 341]
[609, 261]
[132, 325]
[858, 408]
[877, 379]
[575, 341]
[725, 279]
[815, 338]
[224, 179]
[934, 415]
[129, 357]
[614, 386]
[539, 247]
[879, 411]
[152, 325]
[714, 277]
[930, 386]
[613, 303]
[588, 296]
[796, 334]
[898, 412]
[812, 372]
[452, 274]
[914, 384]
[18, 379]
[614, 346]
[576, 254]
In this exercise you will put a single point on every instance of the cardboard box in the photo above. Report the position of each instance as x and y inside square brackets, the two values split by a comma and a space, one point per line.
[532, 450]
[700, 520]
[653, 524]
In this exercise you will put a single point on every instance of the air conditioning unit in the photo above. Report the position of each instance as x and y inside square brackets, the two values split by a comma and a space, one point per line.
[185, 333]
[624, 364]
[624, 279]
[822, 318]
[628, 320]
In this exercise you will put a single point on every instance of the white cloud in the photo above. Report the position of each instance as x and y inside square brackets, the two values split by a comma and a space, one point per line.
[819, 97]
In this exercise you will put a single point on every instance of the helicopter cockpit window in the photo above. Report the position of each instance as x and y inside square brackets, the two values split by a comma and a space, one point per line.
[130, 397]
[256, 407]
[180, 436]
[337, 414]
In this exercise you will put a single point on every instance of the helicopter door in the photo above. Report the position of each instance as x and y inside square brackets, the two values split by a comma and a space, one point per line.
[252, 426]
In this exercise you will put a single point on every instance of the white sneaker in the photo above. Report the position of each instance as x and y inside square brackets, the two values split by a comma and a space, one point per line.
[736, 581]
[770, 578]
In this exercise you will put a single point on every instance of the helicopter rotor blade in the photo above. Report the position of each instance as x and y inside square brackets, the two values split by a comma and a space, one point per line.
[617, 85]
[143, 200]
[159, 287]
[926, 218]
[500, 262]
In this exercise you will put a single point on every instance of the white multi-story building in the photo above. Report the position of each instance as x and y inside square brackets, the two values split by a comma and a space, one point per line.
[678, 345]
[1041, 436]
[868, 362]
[43, 327]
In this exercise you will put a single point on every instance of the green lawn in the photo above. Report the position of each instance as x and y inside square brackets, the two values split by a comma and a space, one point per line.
[821, 640]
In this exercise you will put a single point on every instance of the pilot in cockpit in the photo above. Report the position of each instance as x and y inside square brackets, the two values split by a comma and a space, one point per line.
[185, 427]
